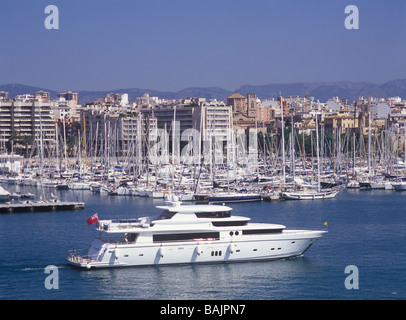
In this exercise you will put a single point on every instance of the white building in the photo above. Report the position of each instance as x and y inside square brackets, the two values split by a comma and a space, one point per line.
[27, 115]
[216, 120]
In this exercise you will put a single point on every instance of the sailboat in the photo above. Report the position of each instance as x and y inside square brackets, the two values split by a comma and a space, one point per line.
[309, 194]
[233, 197]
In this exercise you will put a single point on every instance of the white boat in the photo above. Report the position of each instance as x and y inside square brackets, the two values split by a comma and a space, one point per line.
[377, 184]
[353, 184]
[30, 182]
[309, 194]
[389, 185]
[191, 234]
[95, 187]
[399, 186]
[143, 193]
[186, 196]
[79, 186]
[123, 191]
[156, 194]
[4, 194]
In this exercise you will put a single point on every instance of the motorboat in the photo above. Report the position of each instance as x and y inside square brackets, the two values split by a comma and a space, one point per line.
[192, 233]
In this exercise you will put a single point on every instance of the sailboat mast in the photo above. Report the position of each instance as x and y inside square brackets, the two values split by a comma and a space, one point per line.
[283, 142]
[84, 138]
[318, 156]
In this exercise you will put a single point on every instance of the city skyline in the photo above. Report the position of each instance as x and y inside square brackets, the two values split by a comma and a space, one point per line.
[173, 45]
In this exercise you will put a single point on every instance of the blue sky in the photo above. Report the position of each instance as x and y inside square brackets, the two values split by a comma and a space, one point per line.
[173, 44]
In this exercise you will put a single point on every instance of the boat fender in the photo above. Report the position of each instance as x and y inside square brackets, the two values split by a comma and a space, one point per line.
[116, 253]
[198, 250]
[161, 252]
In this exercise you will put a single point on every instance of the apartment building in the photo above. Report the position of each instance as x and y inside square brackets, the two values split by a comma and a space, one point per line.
[217, 120]
[113, 130]
[187, 117]
[27, 116]
[72, 97]
[342, 121]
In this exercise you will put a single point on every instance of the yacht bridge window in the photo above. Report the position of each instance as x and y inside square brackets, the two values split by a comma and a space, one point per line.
[213, 214]
[166, 215]
[229, 223]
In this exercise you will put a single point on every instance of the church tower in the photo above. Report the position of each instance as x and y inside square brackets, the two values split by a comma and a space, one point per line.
[251, 105]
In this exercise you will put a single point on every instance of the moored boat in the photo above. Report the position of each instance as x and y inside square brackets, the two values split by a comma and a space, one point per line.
[229, 197]
[310, 194]
[191, 234]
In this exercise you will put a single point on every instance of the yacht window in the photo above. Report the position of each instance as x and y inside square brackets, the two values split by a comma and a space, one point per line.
[198, 236]
[131, 237]
[261, 231]
[213, 214]
[166, 215]
[229, 223]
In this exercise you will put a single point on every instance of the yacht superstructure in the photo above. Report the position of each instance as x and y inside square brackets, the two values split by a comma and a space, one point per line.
[191, 234]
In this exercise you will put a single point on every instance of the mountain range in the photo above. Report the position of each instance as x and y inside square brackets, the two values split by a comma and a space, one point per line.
[319, 90]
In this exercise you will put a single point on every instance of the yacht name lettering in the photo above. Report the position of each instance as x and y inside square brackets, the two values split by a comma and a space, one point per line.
[226, 309]
[171, 310]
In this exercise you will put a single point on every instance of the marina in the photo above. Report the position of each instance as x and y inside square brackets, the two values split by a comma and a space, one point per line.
[365, 228]
[196, 150]
[351, 182]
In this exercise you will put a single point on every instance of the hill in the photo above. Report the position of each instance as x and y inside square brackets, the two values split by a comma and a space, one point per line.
[319, 90]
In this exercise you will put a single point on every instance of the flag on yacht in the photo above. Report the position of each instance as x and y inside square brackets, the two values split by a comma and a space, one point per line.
[94, 218]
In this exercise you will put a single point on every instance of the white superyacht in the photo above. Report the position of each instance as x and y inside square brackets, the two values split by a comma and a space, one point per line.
[191, 234]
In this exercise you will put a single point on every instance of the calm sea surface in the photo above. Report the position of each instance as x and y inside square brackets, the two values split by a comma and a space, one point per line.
[367, 229]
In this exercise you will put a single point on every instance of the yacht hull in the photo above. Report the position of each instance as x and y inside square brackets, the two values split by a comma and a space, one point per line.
[253, 248]
[234, 198]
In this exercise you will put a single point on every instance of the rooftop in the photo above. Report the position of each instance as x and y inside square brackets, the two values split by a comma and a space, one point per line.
[236, 95]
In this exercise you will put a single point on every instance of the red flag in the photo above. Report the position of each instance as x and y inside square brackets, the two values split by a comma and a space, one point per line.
[94, 218]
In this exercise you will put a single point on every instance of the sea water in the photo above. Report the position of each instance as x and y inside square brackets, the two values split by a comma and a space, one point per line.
[366, 230]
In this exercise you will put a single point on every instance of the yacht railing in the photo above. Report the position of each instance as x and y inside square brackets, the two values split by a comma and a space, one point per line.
[123, 224]
[75, 257]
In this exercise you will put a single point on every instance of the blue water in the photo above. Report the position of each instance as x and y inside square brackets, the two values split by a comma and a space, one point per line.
[366, 229]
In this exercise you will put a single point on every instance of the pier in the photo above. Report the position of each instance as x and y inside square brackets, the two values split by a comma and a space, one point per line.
[41, 206]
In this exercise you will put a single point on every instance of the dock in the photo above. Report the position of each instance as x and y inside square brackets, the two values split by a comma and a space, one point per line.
[29, 206]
